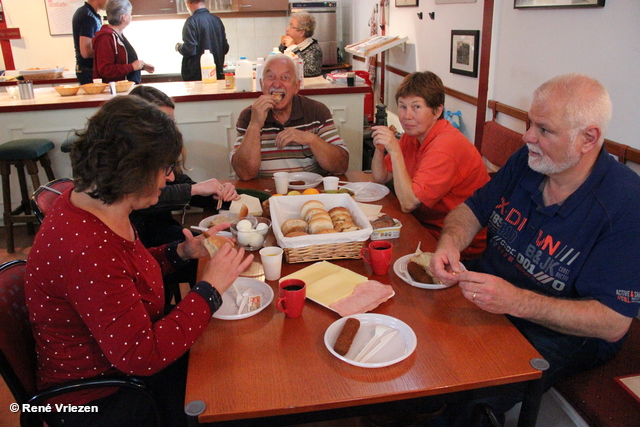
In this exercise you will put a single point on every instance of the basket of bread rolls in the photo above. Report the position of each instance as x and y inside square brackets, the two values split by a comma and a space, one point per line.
[319, 227]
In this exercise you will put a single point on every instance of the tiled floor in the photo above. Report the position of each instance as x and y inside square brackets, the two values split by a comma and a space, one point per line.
[551, 413]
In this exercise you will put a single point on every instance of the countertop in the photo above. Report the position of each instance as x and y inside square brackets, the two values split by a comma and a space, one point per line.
[46, 98]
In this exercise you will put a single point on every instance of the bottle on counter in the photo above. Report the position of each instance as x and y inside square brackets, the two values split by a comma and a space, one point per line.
[244, 75]
[259, 68]
[208, 67]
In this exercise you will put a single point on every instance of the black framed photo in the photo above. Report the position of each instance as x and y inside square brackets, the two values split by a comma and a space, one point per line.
[533, 4]
[404, 3]
[465, 47]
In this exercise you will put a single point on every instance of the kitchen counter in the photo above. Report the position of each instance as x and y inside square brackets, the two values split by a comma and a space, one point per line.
[206, 116]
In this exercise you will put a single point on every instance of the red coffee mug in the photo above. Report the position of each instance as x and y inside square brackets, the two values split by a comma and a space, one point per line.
[378, 256]
[292, 295]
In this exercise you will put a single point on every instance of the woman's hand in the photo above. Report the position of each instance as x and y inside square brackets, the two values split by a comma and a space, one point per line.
[212, 187]
[225, 267]
[193, 246]
[385, 139]
[287, 41]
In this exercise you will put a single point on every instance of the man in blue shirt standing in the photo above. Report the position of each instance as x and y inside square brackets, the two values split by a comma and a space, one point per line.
[563, 219]
[86, 22]
[201, 31]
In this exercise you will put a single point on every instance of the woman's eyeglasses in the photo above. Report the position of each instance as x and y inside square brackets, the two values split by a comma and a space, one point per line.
[169, 169]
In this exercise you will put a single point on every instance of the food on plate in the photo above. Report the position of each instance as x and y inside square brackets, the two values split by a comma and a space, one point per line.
[214, 243]
[383, 222]
[297, 183]
[277, 96]
[422, 259]
[244, 211]
[316, 225]
[418, 274]
[294, 224]
[346, 336]
[311, 204]
[365, 297]
[220, 219]
[296, 234]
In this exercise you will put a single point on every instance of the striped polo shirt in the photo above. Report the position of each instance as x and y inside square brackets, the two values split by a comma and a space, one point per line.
[306, 115]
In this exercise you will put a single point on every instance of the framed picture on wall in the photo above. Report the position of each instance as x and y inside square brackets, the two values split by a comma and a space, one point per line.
[465, 46]
[403, 3]
[532, 4]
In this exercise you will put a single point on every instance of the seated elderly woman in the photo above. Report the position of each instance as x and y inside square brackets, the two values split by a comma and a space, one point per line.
[299, 42]
[434, 167]
[94, 292]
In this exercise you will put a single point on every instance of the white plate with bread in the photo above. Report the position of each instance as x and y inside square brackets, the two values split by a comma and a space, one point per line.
[398, 348]
[400, 268]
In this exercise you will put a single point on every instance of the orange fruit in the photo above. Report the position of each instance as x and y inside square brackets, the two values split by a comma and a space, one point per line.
[310, 191]
[277, 194]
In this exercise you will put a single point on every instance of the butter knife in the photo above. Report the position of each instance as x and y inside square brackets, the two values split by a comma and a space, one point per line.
[383, 341]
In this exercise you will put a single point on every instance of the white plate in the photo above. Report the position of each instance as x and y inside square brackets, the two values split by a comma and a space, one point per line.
[207, 221]
[371, 193]
[229, 309]
[401, 264]
[310, 180]
[397, 349]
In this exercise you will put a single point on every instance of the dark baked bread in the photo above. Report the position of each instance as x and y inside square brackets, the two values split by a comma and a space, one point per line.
[346, 336]
[418, 273]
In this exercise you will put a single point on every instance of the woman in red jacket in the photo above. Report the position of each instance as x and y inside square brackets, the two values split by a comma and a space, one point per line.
[114, 58]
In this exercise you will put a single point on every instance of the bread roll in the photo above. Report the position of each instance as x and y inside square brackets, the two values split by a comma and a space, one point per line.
[320, 215]
[318, 224]
[277, 96]
[339, 210]
[310, 205]
[296, 233]
[292, 224]
[346, 226]
[313, 211]
[346, 336]
[328, 230]
[244, 211]
[214, 243]
[341, 217]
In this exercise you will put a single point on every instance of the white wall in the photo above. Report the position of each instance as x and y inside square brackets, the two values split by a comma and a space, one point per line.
[529, 47]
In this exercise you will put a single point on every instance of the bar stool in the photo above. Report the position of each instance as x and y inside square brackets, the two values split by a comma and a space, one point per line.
[22, 153]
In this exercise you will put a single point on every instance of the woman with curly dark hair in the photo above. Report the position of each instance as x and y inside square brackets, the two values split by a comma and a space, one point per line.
[95, 293]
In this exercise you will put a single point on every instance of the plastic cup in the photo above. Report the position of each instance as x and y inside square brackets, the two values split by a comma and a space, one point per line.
[282, 182]
[330, 183]
[271, 258]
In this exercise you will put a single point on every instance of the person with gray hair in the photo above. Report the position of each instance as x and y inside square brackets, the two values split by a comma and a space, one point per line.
[114, 58]
[284, 131]
[563, 219]
[299, 41]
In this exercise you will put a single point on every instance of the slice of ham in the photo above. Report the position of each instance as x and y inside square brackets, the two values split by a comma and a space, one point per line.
[365, 297]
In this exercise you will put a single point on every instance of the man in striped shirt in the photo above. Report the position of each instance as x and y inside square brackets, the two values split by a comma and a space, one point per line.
[284, 131]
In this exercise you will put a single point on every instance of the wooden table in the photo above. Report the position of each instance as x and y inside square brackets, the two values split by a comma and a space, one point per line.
[266, 365]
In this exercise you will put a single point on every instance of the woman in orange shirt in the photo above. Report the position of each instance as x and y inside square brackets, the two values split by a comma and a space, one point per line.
[434, 167]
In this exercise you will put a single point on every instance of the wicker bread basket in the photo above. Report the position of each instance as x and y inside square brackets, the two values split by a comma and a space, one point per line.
[327, 251]
[319, 247]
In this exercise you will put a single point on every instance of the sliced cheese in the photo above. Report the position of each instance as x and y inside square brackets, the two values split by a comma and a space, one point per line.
[327, 282]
